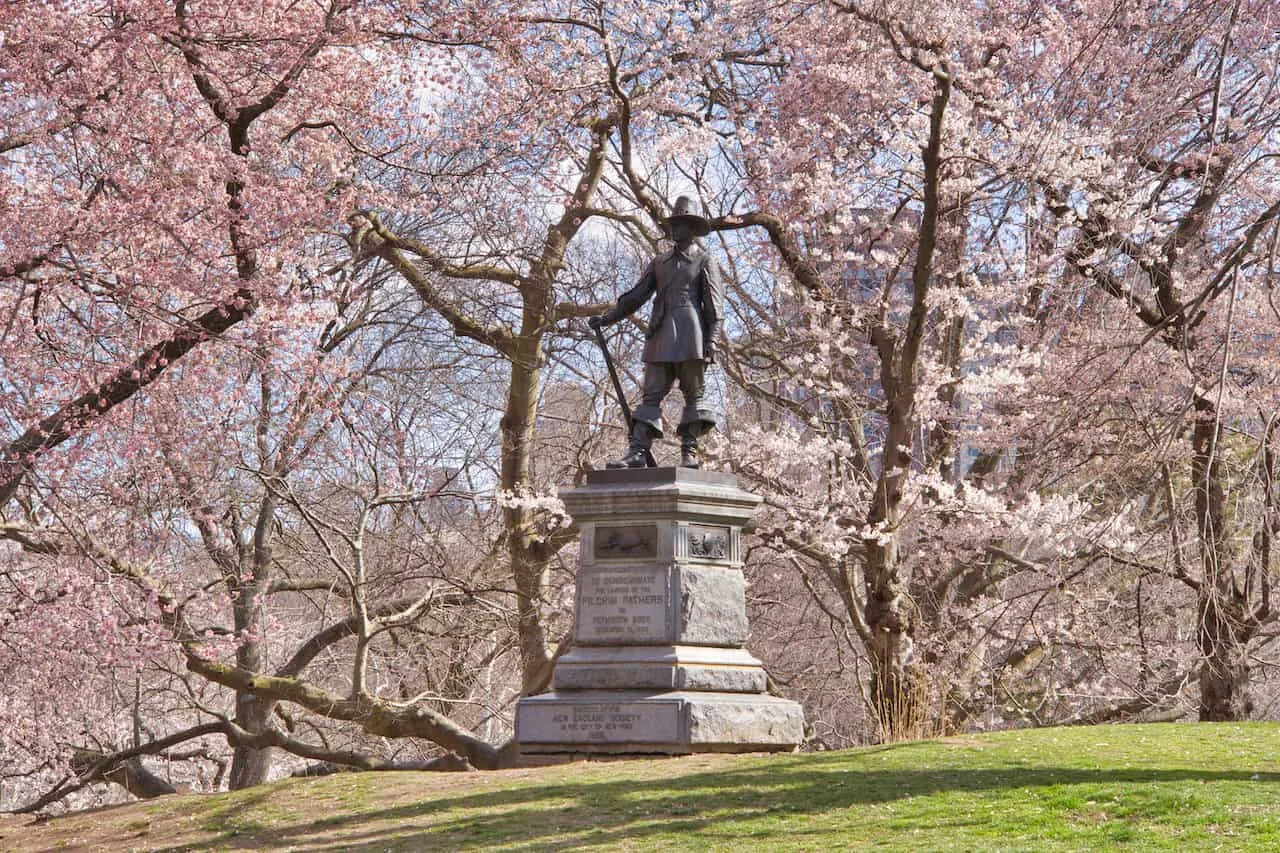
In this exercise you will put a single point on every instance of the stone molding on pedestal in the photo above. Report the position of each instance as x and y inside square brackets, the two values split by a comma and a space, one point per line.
[658, 663]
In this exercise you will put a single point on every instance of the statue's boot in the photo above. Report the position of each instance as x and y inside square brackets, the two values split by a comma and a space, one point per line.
[689, 448]
[637, 456]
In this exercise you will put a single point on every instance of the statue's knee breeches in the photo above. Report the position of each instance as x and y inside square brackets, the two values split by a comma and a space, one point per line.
[659, 377]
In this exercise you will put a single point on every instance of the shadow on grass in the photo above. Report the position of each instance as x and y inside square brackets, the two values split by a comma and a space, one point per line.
[609, 812]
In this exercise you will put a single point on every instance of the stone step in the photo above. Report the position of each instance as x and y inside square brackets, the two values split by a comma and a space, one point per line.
[659, 668]
[673, 722]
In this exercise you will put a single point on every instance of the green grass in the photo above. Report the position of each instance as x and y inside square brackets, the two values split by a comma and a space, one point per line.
[1182, 786]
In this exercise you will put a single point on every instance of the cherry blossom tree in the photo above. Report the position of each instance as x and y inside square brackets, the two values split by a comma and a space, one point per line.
[866, 173]
[342, 497]
[169, 172]
[900, 193]
[1160, 191]
[270, 134]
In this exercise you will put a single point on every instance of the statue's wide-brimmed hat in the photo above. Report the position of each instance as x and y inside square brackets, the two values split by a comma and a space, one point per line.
[686, 209]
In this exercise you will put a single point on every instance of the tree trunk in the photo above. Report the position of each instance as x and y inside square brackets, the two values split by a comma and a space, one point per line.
[250, 766]
[1224, 668]
[1221, 606]
[898, 688]
[525, 548]
[895, 689]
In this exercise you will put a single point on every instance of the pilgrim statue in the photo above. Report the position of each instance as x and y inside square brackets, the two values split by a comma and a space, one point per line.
[688, 307]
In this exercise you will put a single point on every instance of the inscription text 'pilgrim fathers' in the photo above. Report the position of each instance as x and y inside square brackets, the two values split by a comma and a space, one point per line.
[623, 606]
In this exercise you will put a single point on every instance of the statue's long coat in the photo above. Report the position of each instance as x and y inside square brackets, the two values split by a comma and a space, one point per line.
[688, 305]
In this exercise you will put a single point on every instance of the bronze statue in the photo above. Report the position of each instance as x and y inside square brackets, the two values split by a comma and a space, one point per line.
[688, 308]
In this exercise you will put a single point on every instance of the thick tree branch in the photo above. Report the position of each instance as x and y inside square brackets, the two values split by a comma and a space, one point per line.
[19, 457]
[212, 95]
[26, 265]
[390, 614]
[374, 715]
[572, 220]
[124, 767]
[789, 250]
[109, 764]
[373, 238]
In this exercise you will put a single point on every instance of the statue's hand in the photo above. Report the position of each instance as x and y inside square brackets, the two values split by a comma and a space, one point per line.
[595, 322]
[709, 353]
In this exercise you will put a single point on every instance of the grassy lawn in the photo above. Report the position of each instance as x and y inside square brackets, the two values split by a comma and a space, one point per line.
[1172, 786]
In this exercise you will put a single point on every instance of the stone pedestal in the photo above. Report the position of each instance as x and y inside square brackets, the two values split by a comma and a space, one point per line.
[658, 663]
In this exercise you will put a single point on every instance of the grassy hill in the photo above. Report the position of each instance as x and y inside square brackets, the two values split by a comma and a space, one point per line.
[1183, 786]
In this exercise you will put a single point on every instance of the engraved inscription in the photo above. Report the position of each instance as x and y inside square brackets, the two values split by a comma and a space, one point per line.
[634, 541]
[709, 542]
[601, 723]
[622, 607]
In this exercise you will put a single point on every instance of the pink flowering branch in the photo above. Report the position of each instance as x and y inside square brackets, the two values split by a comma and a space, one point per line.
[18, 458]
